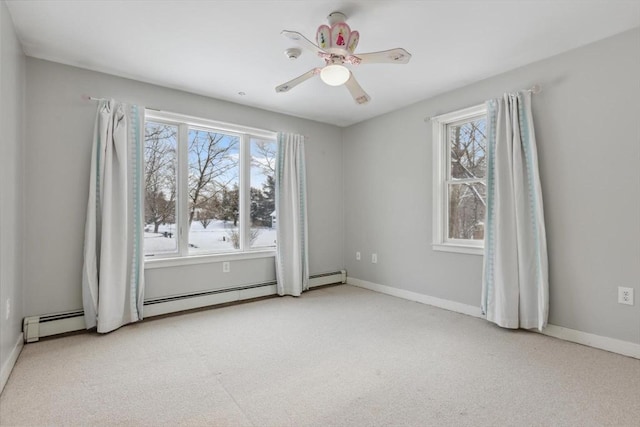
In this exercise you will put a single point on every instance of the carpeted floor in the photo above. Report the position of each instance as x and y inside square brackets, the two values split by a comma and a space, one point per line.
[339, 356]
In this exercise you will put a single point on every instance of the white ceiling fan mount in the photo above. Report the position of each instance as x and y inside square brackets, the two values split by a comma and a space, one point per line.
[335, 17]
[336, 44]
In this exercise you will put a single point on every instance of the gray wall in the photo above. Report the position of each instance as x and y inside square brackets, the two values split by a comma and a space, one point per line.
[12, 64]
[372, 194]
[587, 122]
[56, 182]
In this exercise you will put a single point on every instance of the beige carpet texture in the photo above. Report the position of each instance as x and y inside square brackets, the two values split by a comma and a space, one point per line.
[336, 356]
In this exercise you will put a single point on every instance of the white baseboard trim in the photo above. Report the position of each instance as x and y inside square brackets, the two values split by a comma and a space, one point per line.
[458, 307]
[36, 327]
[613, 345]
[7, 367]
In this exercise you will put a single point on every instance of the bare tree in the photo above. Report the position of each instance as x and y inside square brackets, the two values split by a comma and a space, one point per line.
[160, 174]
[468, 155]
[266, 157]
[208, 212]
[212, 167]
[467, 199]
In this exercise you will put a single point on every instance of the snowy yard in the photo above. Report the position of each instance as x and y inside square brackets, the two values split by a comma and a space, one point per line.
[215, 238]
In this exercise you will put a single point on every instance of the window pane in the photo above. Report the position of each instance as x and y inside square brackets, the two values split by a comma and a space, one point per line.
[262, 232]
[160, 188]
[468, 144]
[467, 204]
[213, 192]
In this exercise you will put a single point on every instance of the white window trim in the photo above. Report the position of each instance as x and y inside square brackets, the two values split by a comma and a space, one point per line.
[244, 133]
[200, 122]
[440, 171]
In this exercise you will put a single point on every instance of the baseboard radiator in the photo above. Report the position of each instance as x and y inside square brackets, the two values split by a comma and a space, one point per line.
[36, 327]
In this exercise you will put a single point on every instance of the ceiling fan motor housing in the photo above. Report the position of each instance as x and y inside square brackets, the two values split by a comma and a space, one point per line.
[337, 39]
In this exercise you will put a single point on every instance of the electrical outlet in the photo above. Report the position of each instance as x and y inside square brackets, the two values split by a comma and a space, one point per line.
[357, 256]
[625, 295]
[226, 267]
[374, 258]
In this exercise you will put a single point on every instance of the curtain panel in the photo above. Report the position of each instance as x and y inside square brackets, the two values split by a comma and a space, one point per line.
[515, 287]
[113, 272]
[292, 258]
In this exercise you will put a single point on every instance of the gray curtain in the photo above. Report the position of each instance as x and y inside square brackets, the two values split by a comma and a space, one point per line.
[515, 288]
[113, 272]
[292, 254]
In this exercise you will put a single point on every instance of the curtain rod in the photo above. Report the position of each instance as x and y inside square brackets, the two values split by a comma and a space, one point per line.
[535, 89]
[93, 98]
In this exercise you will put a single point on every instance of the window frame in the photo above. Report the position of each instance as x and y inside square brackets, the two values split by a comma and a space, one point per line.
[441, 181]
[245, 135]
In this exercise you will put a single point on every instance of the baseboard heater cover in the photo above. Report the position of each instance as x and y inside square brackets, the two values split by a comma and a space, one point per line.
[36, 327]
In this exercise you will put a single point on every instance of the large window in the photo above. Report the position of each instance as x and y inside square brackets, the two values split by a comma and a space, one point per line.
[209, 187]
[459, 180]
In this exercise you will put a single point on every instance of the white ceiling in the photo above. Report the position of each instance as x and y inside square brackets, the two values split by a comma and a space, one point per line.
[220, 48]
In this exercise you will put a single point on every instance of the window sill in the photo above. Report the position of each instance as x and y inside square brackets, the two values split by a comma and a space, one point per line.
[461, 249]
[207, 259]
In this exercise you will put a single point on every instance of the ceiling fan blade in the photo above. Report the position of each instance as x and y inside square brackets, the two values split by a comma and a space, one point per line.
[285, 87]
[359, 95]
[393, 56]
[302, 41]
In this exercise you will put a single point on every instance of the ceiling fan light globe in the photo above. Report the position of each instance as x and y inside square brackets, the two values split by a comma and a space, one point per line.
[335, 75]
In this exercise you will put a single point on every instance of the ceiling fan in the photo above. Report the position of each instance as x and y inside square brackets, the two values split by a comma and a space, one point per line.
[336, 45]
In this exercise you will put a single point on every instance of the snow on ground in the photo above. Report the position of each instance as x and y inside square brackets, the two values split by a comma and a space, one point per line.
[215, 238]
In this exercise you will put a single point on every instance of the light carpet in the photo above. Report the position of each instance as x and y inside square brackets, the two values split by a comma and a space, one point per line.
[340, 356]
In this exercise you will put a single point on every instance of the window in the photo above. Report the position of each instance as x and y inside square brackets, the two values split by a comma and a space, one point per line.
[209, 187]
[459, 180]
